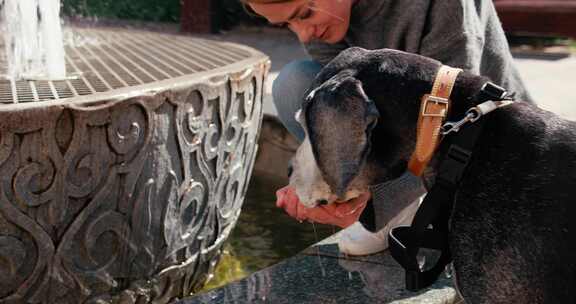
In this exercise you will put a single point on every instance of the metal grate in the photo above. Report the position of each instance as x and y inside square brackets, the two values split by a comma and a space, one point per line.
[106, 59]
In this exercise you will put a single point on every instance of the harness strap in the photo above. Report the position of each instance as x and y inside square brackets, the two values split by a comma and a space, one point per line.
[430, 228]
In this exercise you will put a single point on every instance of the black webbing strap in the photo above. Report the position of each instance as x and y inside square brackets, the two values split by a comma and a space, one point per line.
[429, 228]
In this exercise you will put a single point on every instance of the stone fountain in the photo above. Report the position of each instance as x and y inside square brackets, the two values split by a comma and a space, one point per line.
[120, 182]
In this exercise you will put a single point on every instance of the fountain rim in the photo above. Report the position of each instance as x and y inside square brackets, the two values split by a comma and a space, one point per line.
[95, 100]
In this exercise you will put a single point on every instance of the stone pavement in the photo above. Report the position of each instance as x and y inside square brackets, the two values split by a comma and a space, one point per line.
[551, 82]
[321, 275]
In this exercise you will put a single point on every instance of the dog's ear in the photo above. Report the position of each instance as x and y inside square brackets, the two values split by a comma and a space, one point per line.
[339, 118]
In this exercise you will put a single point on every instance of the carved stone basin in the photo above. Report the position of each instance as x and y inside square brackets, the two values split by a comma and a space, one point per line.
[121, 184]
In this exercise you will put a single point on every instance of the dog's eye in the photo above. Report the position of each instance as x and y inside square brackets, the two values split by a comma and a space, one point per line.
[290, 170]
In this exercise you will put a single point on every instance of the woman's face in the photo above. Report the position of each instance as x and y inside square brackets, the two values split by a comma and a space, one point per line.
[325, 20]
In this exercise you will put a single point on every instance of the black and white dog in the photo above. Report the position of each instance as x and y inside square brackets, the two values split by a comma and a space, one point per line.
[513, 224]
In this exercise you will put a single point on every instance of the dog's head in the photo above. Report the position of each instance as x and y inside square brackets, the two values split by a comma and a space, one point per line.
[338, 118]
[360, 120]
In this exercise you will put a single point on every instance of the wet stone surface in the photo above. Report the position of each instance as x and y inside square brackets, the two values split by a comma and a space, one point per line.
[328, 277]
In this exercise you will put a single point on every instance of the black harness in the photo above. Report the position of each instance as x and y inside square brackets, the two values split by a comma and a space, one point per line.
[430, 227]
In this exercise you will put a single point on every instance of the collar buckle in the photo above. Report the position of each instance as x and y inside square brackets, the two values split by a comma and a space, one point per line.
[430, 111]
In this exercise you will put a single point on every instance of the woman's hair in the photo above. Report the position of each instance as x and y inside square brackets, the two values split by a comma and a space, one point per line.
[249, 10]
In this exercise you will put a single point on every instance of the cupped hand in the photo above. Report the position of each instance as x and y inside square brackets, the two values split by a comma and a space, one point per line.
[339, 214]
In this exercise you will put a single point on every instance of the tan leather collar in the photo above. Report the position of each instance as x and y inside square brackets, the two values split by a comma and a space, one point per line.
[433, 111]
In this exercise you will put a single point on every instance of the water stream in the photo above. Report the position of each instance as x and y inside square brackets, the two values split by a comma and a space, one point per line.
[33, 39]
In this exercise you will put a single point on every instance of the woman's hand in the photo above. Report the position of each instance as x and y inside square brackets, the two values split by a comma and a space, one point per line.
[339, 214]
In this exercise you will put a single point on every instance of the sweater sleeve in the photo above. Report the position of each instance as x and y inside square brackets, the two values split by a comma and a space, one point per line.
[461, 51]
[389, 198]
[454, 34]
[468, 35]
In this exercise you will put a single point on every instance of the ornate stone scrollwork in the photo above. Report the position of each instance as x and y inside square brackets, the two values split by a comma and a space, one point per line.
[124, 201]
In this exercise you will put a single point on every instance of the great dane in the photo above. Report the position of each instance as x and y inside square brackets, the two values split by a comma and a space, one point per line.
[512, 227]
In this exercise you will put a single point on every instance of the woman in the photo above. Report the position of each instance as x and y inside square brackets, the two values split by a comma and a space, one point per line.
[460, 33]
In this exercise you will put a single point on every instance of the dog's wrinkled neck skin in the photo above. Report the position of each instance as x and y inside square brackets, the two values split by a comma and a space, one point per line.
[394, 82]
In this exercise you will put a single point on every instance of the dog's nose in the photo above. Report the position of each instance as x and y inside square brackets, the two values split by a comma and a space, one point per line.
[322, 202]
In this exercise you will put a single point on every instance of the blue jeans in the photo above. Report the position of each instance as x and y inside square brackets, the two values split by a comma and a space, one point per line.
[288, 92]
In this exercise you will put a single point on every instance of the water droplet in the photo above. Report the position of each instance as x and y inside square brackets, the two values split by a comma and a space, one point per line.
[318, 251]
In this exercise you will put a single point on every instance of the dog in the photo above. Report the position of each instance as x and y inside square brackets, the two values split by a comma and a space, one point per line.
[512, 228]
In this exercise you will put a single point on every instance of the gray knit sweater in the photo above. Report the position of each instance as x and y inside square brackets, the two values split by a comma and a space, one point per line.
[459, 33]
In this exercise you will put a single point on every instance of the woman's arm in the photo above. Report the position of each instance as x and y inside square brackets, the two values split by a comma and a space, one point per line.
[468, 34]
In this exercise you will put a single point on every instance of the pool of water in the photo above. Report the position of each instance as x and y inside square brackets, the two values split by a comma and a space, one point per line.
[264, 235]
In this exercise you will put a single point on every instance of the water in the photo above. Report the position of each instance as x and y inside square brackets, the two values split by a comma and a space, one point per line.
[318, 250]
[264, 234]
[33, 39]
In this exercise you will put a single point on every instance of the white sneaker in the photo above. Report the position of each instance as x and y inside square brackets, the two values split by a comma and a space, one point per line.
[356, 240]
